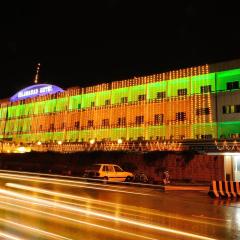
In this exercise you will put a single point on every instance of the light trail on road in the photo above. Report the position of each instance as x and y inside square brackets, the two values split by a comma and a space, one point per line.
[74, 220]
[36, 230]
[8, 236]
[137, 211]
[120, 184]
[101, 215]
[71, 183]
[66, 209]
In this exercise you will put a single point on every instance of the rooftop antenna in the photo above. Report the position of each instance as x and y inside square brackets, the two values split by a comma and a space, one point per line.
[37, 73]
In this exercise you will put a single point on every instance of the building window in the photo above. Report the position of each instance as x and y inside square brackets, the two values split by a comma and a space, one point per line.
[40, 127]
[139, 119]
[124, 99]
[224, 109]
[158, 119]
[180, 116]
[202, 111]
[182, 92]
[107, 102]
[77, 125]
[206, 136]
[121, 121]
[231, 109]
[90, 123]
[92, 104]
[161, 95]
[140, 139]
[228, 109]
[63, 125]
[79, 105]
[206, 89]
[234, 135]
[232, 85]
[182, 137]
[51, 127]
[105, 122]
[237, 108]
[142, 97]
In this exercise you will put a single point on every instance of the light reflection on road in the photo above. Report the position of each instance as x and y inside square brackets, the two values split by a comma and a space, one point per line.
[59, 208]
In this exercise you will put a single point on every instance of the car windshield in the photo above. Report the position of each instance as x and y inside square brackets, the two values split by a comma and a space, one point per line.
[94, 168]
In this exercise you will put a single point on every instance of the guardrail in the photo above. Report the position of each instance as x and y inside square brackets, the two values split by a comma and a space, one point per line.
[224, 189]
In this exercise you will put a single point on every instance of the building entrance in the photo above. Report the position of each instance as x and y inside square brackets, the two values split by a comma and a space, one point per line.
[236, 168]
[232, 168]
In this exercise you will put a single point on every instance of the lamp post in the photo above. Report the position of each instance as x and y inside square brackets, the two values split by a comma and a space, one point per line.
[60, 144]
[1, 146]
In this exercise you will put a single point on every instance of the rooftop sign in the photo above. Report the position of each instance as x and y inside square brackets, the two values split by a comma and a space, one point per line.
[34, 91]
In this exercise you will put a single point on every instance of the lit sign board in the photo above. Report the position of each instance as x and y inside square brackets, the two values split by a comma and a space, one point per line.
[34, 91]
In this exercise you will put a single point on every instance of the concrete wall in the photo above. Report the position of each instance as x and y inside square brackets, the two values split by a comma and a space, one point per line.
[184, 166]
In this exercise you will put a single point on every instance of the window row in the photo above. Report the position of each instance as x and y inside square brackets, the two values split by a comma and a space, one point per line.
[121, 121]
[159, 95]
[141, 97]
[233, 85]
[231, 109]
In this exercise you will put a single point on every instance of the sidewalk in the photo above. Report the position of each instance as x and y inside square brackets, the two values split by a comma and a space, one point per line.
[186, 188]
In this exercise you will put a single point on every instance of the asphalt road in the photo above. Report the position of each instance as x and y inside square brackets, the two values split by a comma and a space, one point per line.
[40, 207]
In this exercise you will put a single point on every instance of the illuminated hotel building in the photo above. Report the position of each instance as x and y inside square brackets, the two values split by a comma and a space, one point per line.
[200, 102]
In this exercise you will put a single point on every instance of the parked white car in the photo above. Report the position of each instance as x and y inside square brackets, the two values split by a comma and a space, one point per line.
[108, 172]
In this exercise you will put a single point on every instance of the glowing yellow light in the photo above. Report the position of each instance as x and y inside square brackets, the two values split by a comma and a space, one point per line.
[92, 141]
[21, 149]
[120, 141]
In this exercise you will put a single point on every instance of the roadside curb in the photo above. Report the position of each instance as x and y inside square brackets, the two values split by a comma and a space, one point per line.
[186, 188]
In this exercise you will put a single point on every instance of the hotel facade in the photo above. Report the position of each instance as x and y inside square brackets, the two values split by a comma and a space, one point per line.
[149, 113]
[200, 102]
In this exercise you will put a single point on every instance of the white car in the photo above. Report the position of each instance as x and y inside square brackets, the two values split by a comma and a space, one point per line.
[108, 172]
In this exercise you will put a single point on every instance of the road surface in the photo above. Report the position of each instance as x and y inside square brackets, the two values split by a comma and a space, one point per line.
[34, 206]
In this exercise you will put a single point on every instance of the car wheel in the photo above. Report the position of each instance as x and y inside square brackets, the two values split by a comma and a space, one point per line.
[105, 179]
[128, 179]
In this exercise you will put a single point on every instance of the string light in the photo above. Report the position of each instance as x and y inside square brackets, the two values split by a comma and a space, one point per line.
[59, 115]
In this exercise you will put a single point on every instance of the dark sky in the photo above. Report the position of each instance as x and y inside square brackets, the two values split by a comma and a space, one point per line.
[88, 42]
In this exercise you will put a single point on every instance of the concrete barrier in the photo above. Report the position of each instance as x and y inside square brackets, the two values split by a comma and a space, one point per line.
[236, 186]
[224, 189]
[214, 189]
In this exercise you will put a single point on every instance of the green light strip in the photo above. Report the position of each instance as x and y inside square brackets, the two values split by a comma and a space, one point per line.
[218, 82]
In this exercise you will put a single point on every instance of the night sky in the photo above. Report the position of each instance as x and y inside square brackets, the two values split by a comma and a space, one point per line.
[88, 42]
